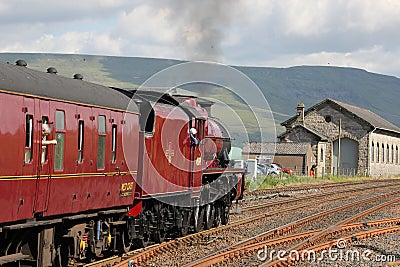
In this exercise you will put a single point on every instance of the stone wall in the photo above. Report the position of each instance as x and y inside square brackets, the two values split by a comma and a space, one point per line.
[325, 121]
[388, 161]
[350, 125]
[300, 135]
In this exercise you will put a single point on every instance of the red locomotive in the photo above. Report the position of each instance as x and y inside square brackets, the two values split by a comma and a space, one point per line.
[87, 170]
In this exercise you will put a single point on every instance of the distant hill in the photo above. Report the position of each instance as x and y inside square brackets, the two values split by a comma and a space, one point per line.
[284, 88]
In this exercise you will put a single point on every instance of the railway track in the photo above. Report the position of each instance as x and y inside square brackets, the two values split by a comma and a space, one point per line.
[139, 257]
[275, 236]
[305, 187]
[258, 242]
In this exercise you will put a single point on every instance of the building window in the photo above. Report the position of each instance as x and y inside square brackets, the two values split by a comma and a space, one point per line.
[328, 118]
[321, 158]
[373, 152]
[392, 154]
[60, 137]
[397, 155]
[81, 130]
[387, 154]
[114, 144]
[101, 146]
[377, 153]
[383, 153]
[28, 138]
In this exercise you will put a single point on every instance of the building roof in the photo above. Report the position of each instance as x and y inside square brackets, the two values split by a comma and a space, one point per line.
[280, 148]
[319, 135]
[369, 116]
[366, 115]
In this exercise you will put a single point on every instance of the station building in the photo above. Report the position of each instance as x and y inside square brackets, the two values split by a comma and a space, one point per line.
[368, 144]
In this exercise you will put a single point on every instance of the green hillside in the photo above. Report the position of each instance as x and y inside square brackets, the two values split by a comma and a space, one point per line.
[284, 88]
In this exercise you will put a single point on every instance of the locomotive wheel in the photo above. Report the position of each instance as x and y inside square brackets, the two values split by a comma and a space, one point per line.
[159, 233]
[126, 243]
[218, 214]
[198, 216]
[185, 224]
[209, 216]
[140, 242]
[225, 214]
[158, 236]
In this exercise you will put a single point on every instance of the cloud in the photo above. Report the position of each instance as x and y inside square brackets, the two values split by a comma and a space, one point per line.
[41, 11]
[69, 43]
[357, 33]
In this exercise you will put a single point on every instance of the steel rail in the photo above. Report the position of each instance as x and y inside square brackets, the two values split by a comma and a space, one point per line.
[144, 254]
[248, 250]
[295, 199]
[329, 232]
[219, 256]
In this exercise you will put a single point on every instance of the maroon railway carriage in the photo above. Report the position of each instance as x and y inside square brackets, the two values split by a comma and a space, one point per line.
[43, 184]
[87, 170]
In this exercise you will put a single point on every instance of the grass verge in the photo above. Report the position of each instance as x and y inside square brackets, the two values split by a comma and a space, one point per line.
[264, 181]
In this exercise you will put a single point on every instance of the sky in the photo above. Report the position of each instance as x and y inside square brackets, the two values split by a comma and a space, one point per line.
[270, 33]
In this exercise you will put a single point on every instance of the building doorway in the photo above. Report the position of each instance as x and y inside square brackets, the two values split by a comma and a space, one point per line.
[348, 157]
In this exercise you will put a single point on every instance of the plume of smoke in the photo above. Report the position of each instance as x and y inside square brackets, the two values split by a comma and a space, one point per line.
[200, 26]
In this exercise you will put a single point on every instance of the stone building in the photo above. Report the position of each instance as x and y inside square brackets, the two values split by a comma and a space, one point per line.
[368, 144]
[295, 156]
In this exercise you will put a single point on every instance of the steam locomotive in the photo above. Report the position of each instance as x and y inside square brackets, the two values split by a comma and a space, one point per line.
[88, 170]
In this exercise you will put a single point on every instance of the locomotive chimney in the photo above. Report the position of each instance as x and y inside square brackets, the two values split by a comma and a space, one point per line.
[21, 62]
[52, 70]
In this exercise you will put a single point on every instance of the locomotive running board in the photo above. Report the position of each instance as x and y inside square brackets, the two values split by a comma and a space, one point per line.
[106, 212]
[13, 258]
[31, 224]
[80, 216]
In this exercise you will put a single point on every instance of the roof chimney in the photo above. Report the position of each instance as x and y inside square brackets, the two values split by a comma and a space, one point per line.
[300, 113]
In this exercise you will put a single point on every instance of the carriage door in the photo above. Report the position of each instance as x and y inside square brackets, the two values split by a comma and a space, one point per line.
[196, 156]
[44, 128]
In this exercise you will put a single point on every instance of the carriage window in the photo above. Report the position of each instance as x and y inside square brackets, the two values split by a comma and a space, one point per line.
[60, 137]
[114, 144]
[101, 142]
[200, 128]
[80, 140]
[28, 138]
[146, 118]
[149, 128]
[45, 120]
